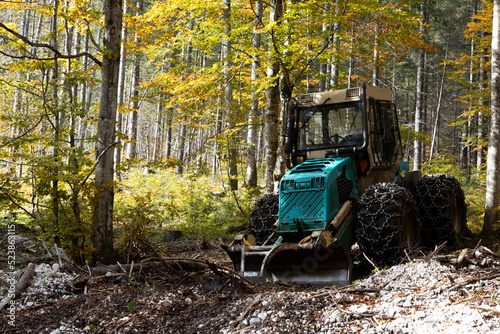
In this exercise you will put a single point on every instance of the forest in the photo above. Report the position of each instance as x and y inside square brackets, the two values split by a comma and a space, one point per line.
[120, 120]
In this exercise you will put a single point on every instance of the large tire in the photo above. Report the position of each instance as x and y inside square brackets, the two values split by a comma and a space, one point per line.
[387, 223]
[263, 217]
[442, 209]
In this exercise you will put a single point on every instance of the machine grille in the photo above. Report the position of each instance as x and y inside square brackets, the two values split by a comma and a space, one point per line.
[344, 187]
[353, 93]
[306, 98]
[313, 183]
[311, 204]
[310, 166]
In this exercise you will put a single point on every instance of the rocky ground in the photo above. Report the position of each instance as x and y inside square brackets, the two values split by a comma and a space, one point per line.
[430, 293]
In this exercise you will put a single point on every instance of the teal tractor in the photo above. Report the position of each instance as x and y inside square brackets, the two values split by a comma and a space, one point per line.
[345, 186]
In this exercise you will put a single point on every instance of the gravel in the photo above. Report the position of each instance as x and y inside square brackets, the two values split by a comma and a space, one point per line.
[456, 293]
[423, 296]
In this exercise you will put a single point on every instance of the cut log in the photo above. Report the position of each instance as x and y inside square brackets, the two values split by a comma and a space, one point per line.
[20, 286]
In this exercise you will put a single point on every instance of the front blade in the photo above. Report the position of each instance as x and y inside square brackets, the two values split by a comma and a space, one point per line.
[308, 264]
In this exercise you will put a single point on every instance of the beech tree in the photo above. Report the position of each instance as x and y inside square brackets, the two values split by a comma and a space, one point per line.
[102, 223]
[492, 204]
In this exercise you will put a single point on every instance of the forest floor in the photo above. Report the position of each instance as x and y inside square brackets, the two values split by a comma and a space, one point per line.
[431, 293]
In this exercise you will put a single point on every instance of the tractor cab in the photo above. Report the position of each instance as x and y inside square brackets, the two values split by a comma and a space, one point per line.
[360, 122]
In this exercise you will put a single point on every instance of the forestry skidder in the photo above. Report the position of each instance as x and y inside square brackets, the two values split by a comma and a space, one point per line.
[344, 186]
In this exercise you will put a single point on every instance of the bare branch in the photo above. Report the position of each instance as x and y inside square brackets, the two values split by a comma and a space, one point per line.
[96, 162]
[50, 47]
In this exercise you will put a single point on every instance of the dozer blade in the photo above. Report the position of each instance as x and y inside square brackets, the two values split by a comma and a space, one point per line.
[248, 260]
[309, 264]
[292, 262]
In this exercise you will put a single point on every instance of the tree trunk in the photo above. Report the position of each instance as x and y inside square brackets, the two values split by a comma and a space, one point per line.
[375, 69]
[492, 205]
[434, 141]
[182, 142]
[157, 131]
[252, 127]
[102, 222]
[168, 137]
[121, 94]
[272, 104]
[323, 66]
[132, 130]
[480, 117]
[419, 98]
[228, 98]
[469, 132]
[351, 59]
[56, 124]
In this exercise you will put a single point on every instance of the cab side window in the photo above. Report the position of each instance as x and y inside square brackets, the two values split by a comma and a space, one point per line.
[382, 132]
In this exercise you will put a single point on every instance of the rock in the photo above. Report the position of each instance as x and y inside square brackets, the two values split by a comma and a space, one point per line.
[335, 316]
[262, 316]
[254, 321]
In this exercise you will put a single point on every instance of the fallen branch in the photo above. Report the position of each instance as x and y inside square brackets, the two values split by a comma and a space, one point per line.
[437, 250]
[247, 311]
[145, 265]
[371, 262]
[488, 309]
[473, 280]
[108, 276]
[20, 286]
[211, 265]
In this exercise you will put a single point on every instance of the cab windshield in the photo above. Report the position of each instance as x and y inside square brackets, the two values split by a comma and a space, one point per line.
[330, 126]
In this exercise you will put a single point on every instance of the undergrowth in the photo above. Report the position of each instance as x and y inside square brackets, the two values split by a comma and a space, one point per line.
[148, 204]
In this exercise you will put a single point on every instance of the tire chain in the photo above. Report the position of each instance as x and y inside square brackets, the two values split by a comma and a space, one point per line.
[437, 197]
[383, 210]
[263, 217]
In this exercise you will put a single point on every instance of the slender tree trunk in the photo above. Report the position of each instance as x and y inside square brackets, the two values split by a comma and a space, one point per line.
[57, 121]
[480, 117]
[469, 132]
[419, 98]
[323, 66]
[335, 68]
[102, 223]
[121, 94]
[434, 141]
[218, 130]
[492, 205]
[132, 131]
[228, 99]
[375, 69]
[168, 137]
[252, 118]
[83, 125]
[157, 133]
[351, 59]
[181, 141]
[72, 100]
[272, 104]
[181, 146]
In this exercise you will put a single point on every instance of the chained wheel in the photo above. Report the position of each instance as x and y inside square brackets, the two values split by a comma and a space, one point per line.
[263, 217]
[387, 223]
[442, 209]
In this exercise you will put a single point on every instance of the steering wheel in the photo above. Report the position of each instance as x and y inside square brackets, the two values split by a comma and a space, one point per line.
[335, 139]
